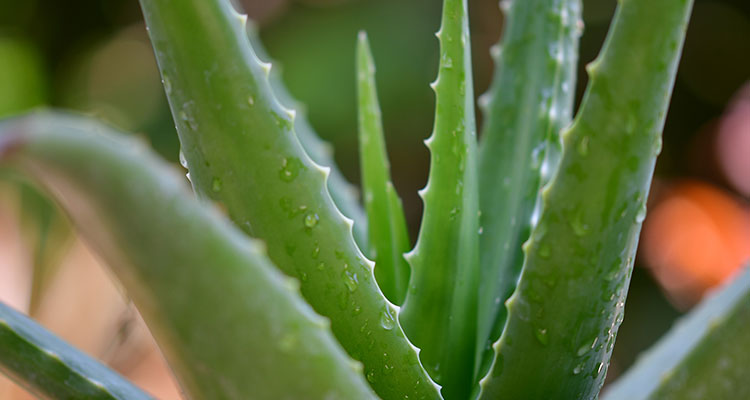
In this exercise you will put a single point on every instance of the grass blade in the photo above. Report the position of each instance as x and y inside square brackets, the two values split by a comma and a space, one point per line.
[204, 288]
[529, 102]
[388, 234]
[564, 315]
[52, 369]
[439, 314]
[241, 149]
[704, 356]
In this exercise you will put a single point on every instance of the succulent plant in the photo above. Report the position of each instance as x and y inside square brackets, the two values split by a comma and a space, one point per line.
[274, 282]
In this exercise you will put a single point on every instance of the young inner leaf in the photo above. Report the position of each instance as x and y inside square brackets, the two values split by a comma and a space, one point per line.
[386, 222]
[439, 314]
[564, 315]
[529, 102]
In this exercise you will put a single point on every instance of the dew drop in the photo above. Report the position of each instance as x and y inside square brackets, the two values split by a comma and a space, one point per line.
[316, 251]
[183, 160]
[290, 169]
[657, 145]
[641, 214]
[321, 266]
[541, 336]
[454, 212]
[311, 219]
[281, 122]
[613, 272]
[386, 319]
[371, 376]
[251, 100]
[583, 146]
[579, 227]
[188, 119]
[586, 347]
[350, 280]
[216, 184]
[167, 85]
[447, 62]
[578, 368]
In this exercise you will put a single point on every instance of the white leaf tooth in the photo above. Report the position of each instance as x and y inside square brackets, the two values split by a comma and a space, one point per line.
[291, 113]
[266, 67]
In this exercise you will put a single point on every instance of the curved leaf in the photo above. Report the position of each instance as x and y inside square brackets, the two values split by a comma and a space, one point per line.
[564, 315]
[241, 150]
[52, 369]
[344, 194]
[230, 325]
[704, 356]
[529, 102]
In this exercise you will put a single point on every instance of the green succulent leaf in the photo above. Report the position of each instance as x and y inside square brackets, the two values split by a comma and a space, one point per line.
[440, 310]
[564, 315]
[239, 144]
[47, 233]
[343, 193]
[230, 325]
[389, 238]
[526, 107]
[704, 356]
[52, 369]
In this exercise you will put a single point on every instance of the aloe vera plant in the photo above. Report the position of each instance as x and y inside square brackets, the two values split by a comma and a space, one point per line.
[516, 285]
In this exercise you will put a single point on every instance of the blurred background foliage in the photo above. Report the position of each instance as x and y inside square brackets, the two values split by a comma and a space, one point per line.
[93, 56]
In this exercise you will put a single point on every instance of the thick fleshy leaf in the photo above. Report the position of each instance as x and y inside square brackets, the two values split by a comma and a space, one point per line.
[704, 356]
[230, 325]
[564, 315]
[529, 102]
[440, 311]
[52, 369]
[344, 194]
[389, 238]
[239, 144]
[47, 233]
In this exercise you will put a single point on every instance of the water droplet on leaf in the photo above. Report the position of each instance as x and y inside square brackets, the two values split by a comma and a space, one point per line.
[386, 319]
[311, 219]
[216, 184]
[541, 336]
[290, 168]
[350, 280]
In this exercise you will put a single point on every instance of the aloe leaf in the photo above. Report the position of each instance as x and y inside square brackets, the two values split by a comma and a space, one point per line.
[204, 288]
[343, 193]
[564, 315]
[388, 234]
[52, 369]
[47, 233]
[440, 311]
[704, 356]
[241, 150]
[528, 103]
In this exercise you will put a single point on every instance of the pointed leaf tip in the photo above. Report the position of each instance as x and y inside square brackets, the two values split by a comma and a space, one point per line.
[388, 233]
